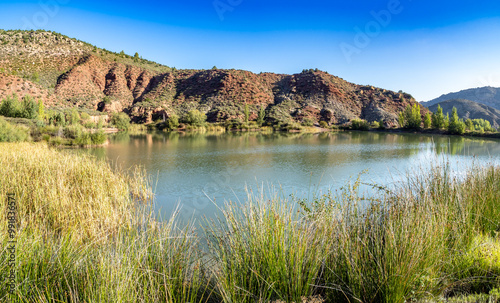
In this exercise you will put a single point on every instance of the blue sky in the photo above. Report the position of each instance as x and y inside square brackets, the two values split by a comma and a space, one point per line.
[426, 48]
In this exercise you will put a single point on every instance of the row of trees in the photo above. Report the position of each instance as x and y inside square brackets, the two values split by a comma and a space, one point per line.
[411, 118]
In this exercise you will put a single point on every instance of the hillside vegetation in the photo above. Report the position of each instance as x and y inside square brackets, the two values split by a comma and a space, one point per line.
[70, 73]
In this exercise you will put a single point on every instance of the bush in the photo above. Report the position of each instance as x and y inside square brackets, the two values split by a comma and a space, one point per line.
[359, 124]
[307, 122]
[456, 125]
[73, 131]
[410, 118]
[12, 133]
[10, 107]
[98, 138]
[438, 120]
[195, 118]
[73, 117]
[29, 108]
[173, 122]
[323, 124]
[427, 121]
[120, 121]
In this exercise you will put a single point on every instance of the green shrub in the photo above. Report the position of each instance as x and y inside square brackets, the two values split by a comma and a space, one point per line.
[410, 118]
[73, 117]
[307, 122]
[73, 131]
[195, 118]
[98, 138]
[323, 124]
[12, 133]
[120, 121]
[29, 108]
[172, 122]
[359, 124]
[11, 107]
[438, 120]
[381, 124]
[456, 125]
[427, 120]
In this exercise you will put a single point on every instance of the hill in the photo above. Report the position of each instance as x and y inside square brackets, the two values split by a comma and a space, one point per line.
[70, 73]
[467, 109]
[487, 95]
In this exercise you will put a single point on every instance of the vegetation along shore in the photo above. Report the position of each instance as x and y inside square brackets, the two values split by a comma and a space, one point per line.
[433, 239]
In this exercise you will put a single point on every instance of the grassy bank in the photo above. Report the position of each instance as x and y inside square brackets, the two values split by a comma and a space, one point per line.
[85, 234]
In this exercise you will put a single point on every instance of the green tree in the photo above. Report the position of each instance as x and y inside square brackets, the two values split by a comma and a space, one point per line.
[247, 113]
[427, 120]
[57, 119]
[438, 118]
[456, 125]
[41, 110]
[447, 121]
[173, 122]
[411, 118]
[10, 107]
[29, 108]
[469, 124]
[261, 116]
[195, 118]
[120, 121]
[73, 117]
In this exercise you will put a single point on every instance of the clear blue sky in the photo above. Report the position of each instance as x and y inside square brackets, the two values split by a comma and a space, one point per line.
[426, 48]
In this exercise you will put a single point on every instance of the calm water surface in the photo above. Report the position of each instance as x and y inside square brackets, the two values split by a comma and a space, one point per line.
[193, 169]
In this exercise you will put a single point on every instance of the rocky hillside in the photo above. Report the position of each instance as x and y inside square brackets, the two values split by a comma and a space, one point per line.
[487, 95]
[66, 72]
[467, 109]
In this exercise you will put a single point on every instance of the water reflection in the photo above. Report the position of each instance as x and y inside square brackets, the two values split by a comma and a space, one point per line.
[190, 167]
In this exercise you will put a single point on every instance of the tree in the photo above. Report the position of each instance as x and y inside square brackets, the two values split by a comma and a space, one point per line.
[438, 118]
[73, 117]
[247, 113]
[120, 121]
[10, 107]
[173, 122]
[195, 117]
[41, 110]
[427, 120]
[456, 125]
[261, 116]
[29, 108]
[411, 118]
[469, 125]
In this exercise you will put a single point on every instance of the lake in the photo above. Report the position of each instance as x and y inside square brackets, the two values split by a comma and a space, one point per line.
[200, 171]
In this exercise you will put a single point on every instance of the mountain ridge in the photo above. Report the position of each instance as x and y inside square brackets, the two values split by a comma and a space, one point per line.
[467, 109]
[486, 95]
[67, 72]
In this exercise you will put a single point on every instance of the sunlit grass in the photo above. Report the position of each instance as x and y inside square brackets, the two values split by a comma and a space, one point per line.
[86, 233]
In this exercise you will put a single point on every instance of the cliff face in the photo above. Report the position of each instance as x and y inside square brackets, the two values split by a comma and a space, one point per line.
[67, 72]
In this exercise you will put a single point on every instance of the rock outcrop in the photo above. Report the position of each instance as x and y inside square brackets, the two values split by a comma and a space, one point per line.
[68, 72]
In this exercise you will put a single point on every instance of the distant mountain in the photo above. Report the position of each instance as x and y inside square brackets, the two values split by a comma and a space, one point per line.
[66, 72]
[487, 95]
[467, 109]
